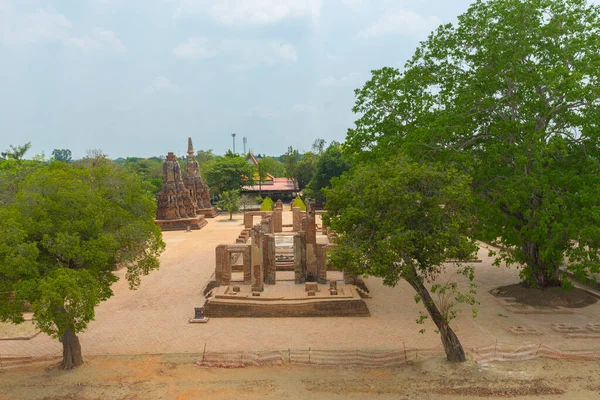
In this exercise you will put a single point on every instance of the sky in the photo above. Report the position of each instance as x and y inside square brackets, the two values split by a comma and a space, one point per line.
[137, 77]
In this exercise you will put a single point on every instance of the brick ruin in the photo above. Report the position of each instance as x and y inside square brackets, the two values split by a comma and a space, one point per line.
[258, 258]
[193, 182]
[177, 208]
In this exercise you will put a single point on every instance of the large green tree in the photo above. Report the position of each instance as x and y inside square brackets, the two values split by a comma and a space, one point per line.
[291, 159]
[402, 220]
[12, 172]
[332, 163]
[511, 96]
[63, 237]
[306, 169]
[148, 170]
[228, 173]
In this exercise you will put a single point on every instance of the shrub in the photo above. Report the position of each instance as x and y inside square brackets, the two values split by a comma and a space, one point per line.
[299, 203]
[267, 204]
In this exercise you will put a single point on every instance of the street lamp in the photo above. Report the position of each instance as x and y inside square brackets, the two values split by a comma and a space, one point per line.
[233, 136]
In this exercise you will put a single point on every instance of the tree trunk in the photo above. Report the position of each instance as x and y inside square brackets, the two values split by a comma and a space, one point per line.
[542, 275]
[71, 350]
[230, 215]
[452, 346]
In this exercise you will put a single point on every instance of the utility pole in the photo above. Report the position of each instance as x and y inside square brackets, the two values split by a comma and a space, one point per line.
[233, 136]
[245, 140]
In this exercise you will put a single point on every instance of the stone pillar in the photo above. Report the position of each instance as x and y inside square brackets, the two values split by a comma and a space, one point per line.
[297, 219]
[247, 260]
[278, 220]
[267, 224]
[270, 268]
[256, 256]
[350, 277]
[279, 205]
[223, 265]
[248, 218]
[299, 258]
[322, 263]
[309, 224]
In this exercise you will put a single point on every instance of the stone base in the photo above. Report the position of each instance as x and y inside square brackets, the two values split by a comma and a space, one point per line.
[181, 224]
[202, 320]
[207, 212]
[281, 301]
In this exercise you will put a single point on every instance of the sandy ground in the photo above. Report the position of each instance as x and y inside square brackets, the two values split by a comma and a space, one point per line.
[26, 329]
[176, 377]
[153, 319]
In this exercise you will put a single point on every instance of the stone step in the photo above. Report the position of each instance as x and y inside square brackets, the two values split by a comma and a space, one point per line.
[363, 293]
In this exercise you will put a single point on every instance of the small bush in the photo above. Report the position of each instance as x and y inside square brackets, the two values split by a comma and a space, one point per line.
[267, 204]
[299, 203]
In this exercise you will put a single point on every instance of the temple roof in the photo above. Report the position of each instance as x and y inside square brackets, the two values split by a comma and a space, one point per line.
[252, 160]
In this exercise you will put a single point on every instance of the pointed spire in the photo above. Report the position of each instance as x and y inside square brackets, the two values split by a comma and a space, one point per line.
[190, 147]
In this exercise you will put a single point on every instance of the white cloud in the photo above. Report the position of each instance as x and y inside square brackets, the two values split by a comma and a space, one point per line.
[106, 2]
[49, 26]
[304, 108]
[401, 22]
[195, 48]
[247, 53]
[161, 84]
[349, 79]
[255, 53]
[42, 25]
[235, 12]
[352, 4]
[261, 111]
[97, 40]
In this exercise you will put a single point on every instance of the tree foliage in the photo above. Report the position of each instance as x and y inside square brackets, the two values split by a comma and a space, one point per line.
[62, 155]
[230, 202]
[148, 170]
[290, 161]
[246, 201]
[402, 220]
[306, 169]
[12, 172]
[332, 163]
[509, 95]
[228, 173]
[273, 166]
[68, 229]
[16, 152]
[203, 156]
[261, 171]
[318, 146]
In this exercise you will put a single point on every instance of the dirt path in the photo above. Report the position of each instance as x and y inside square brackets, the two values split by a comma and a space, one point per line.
[176, 377]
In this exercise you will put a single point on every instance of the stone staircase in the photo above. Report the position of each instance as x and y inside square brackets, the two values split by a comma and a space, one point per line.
[363, 293]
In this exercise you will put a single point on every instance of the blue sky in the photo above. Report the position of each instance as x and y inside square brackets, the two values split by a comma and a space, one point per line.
[137, 77]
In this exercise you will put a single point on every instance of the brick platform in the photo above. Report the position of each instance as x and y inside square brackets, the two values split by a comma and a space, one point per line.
[181, 224]
[285, 301]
